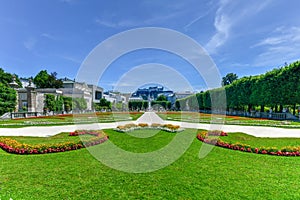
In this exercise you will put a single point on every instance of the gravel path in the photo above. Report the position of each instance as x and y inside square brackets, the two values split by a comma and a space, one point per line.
[151, 117]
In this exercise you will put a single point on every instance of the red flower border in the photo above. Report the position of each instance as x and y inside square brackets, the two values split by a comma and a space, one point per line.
[14, 147]
[286, 151]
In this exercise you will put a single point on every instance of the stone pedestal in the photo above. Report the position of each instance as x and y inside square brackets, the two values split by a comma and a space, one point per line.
[31, 99]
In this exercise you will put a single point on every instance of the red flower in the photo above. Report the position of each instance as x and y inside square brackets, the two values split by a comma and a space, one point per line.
[264, 152]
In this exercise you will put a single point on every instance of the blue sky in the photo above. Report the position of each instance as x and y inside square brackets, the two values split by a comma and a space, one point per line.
[244, 37]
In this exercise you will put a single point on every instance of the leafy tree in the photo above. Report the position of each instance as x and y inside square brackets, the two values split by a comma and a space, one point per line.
[164, 104]
[7, 78]
[145, 105]
[229, 78]
[49, 102]
[103, 104]
[67, 103]
[177, 105]
[276, 89]
[45, 80]
[59, 103]
[161, 98]
[138, 105]
[8, 96]
[79, 104]
[7, 99]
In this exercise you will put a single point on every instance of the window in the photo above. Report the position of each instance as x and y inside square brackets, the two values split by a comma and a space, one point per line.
[98, 95]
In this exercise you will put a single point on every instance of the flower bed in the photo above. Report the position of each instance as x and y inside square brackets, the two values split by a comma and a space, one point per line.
[13, 146]
[166, 127]
[216, 133]
[87, 132]
[204, 136]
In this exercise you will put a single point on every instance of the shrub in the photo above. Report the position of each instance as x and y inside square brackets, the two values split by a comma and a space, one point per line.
[143, 125]
[165, 127]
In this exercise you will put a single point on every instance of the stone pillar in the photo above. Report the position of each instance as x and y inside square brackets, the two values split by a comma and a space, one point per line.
[31, 97]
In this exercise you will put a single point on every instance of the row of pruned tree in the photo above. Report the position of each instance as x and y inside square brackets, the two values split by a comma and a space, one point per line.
[138, 105]
[160, 102]
[62, 103]
[275, 89]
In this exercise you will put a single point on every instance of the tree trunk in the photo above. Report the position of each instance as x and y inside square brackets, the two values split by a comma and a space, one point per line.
[262, 108]
[276, 109]
[294, 109]
[249, 108]
[280, 108]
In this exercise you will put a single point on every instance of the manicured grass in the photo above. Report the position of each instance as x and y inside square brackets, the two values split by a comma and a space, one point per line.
[223, 174]
[138, 141]
[69, 119]
[195, 117]
[261, 142]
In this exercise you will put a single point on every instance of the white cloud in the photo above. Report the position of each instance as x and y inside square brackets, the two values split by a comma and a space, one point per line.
[72, 59]
[222, 25]
[283, 46]
[162, 14]
[106, 23]
[229, 15]
[197, 19]
[30, 43]
[118, 24]
[46, 35]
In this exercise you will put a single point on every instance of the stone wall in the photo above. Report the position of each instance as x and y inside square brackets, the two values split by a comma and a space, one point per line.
[40, 98]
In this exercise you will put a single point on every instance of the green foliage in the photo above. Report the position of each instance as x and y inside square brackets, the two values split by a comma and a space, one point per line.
[50, 104]
[79, 104]
[103, 104]
[236, 176]
[177, 105]
[7, 99]
[165, 104]
[59, 103]
[161, 98]
[229, 78]
[8, 96]
[45, 80]
[67, 103]
[278, 87]
[138, 105]
[7, 78]
[145, 105]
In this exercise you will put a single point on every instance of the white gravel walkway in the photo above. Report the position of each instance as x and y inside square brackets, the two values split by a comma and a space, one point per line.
[151, 117]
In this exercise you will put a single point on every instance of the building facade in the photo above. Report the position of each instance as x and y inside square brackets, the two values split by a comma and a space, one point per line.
[32, 100]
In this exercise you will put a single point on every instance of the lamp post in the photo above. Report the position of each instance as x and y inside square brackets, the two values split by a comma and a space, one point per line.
[15, 86]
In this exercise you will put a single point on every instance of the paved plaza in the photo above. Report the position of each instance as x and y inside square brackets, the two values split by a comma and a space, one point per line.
[152, 117]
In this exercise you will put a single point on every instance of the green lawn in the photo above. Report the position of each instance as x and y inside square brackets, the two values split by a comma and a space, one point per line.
[195, 117]
[69, 119]
[223, 174]
[261, 142]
